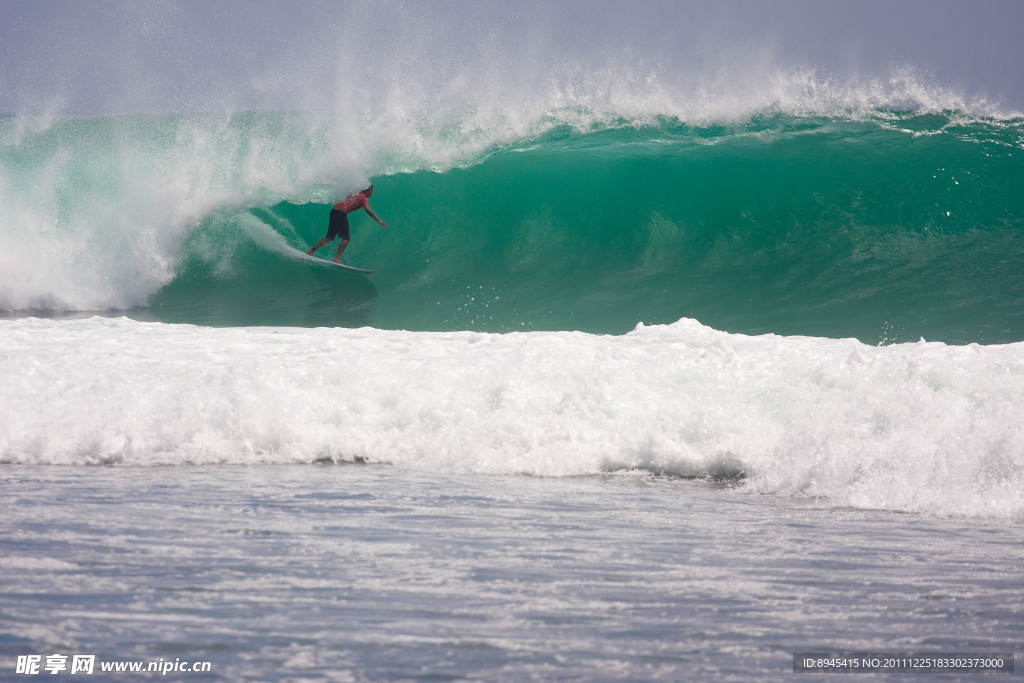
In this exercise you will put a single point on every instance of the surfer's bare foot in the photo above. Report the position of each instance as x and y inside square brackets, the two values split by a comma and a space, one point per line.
[338, 260]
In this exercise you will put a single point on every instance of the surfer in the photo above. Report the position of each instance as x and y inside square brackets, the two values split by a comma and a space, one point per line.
[338, 224]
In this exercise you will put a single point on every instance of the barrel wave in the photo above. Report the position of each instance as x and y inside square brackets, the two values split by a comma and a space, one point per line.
[882, 225]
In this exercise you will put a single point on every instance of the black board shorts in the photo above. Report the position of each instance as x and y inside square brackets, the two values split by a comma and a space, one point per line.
[338, 227]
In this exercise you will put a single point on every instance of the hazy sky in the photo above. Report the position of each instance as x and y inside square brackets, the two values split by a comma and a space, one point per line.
[131, 56]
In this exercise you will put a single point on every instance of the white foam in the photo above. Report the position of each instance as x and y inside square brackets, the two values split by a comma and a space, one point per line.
[921, 427]
[96, 211]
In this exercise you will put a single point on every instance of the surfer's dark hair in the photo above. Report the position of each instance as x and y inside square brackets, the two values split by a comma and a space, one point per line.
[368, 189]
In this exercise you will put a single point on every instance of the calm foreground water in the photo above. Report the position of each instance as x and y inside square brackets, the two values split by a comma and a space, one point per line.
[365, 573]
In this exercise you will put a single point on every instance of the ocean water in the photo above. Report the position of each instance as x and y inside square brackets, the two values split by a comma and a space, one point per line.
[638, 392]
[368, 573]
[879, 225]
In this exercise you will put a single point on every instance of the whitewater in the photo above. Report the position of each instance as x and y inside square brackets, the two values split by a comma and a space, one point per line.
[921, 427]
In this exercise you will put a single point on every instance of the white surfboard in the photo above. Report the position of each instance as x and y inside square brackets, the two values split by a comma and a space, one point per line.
[303, 256]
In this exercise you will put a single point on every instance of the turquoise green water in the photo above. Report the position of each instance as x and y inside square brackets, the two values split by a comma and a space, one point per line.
[885, 227]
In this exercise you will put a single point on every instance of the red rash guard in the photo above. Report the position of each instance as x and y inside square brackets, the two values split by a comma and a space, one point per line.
[351, 203]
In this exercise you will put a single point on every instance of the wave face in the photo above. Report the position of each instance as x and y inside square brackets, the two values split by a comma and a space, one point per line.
[921, 427]
[874, 223]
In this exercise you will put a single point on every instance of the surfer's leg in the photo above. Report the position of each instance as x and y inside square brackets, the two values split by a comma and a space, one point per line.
[336, 227]
[319, 244]
[341, 248]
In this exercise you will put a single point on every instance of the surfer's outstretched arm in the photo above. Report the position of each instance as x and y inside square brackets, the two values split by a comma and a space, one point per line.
[374, 216]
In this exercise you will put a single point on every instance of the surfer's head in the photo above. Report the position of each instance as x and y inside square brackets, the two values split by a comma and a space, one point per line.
[368, 191]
